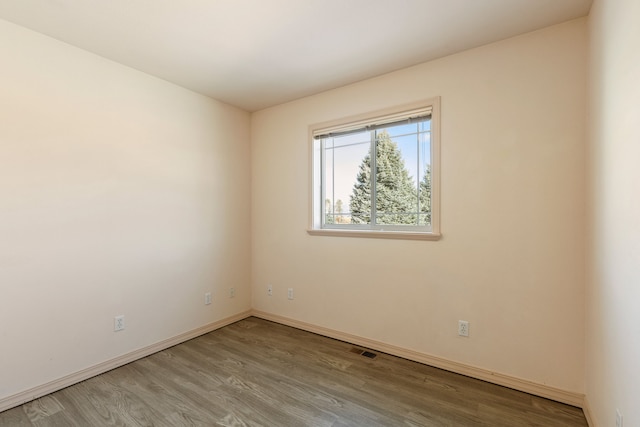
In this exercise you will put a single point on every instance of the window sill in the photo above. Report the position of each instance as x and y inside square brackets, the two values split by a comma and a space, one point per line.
[400, 235]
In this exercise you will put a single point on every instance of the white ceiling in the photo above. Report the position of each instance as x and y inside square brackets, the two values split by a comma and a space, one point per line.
[258, 53]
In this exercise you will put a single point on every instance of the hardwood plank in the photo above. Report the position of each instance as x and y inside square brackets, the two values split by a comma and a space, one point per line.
[15, 417]
[42, 408]
[259, 373]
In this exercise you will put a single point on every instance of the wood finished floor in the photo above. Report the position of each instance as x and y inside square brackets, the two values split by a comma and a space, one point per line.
[259, 373]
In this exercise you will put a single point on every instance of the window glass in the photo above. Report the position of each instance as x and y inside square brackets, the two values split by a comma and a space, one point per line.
[376, 176]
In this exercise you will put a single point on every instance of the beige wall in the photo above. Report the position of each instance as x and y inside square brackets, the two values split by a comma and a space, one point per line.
[124, 194]
[120, 194]
[613, 292]
[511, 260]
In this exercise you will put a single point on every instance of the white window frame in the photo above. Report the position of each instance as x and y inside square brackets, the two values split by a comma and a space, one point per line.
[376, 117]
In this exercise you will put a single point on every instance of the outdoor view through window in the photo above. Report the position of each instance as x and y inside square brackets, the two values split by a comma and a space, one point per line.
[378, 176]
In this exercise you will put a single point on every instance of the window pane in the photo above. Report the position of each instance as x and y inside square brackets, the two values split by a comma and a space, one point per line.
[397, 130]
[425, 126]
[355, 138]
[396, 189]
[424, 179]
[328, 186]
[347, 179]
[403, 178]
[373, 174]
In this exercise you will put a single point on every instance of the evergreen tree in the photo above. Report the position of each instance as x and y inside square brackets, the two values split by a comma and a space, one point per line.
[425, 197]
[360, 200]
[396, 195]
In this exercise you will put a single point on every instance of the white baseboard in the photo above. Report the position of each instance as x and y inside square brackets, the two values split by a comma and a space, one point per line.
[542, 390]
[76, 377]
[586, 408]
[568, 397]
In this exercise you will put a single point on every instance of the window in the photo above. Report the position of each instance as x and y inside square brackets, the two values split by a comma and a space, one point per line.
[376, 175]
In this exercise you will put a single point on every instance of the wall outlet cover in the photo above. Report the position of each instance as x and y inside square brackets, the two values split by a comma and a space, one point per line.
[463, 328]
[118, 323]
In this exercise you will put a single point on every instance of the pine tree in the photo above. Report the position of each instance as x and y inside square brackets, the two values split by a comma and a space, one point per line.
[425, 197]
[396, 194]
[360, 200]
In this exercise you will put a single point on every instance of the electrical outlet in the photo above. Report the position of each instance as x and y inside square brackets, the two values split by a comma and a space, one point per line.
[618, 418]
[270, 290]
[463, 328]
[232, 292]
[118, 323]
[207, 298]
[290, 293]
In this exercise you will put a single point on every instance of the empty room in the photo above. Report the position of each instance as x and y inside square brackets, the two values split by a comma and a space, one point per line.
[319, 213]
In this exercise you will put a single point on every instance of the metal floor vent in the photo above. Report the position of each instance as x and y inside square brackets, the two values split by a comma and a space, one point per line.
[364, 353]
